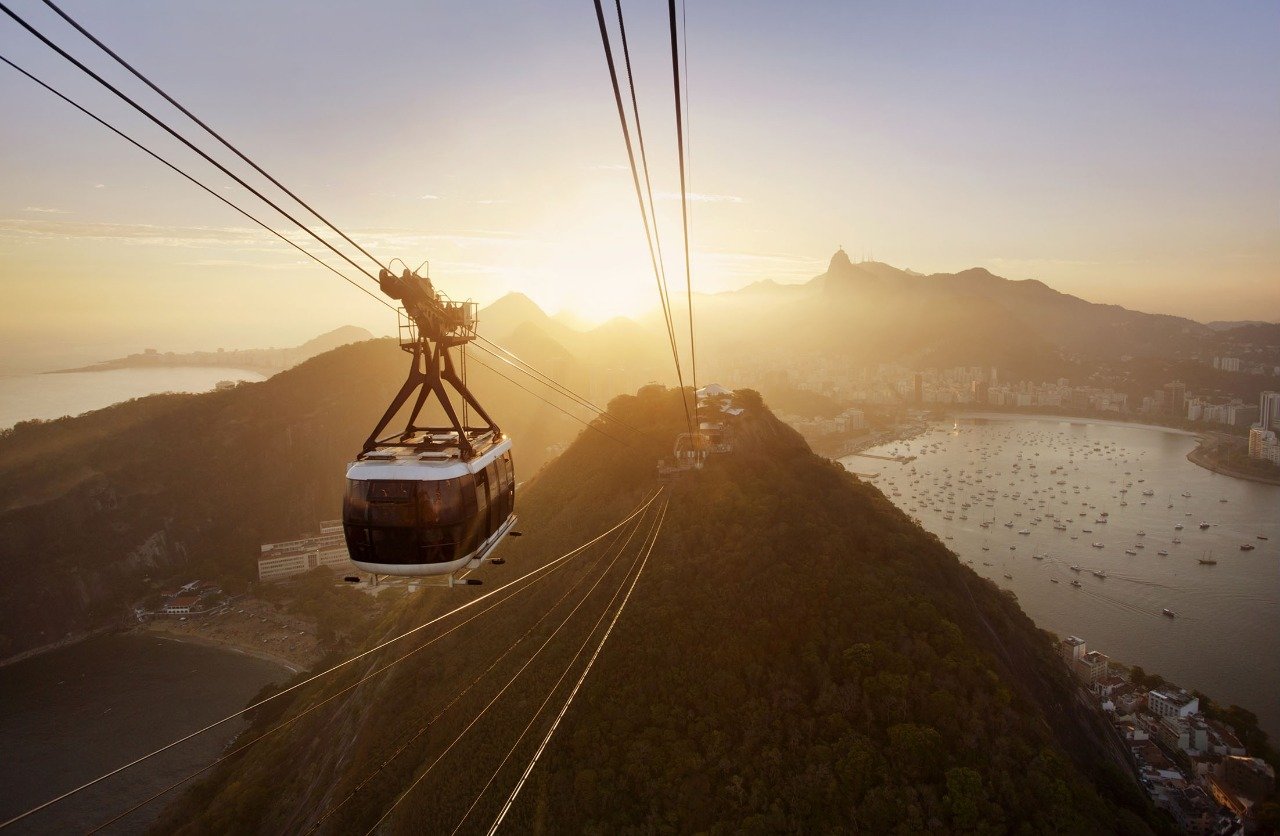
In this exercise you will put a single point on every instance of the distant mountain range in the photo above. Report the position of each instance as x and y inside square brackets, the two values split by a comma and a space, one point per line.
[1227, 325]
[870, 312]
[267, 360]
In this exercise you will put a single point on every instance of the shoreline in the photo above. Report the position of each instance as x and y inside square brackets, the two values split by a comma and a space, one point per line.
[856, 444]
[292, 666]
[265, 371]
[1077, 419]
[1200, 457]
[64, 642]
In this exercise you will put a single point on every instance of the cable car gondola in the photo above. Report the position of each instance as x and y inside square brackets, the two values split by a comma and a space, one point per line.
[430, 500]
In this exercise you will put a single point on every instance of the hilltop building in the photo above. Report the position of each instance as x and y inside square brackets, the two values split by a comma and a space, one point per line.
[295, 557]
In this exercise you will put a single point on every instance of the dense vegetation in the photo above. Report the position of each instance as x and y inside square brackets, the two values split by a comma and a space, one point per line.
[797, 657]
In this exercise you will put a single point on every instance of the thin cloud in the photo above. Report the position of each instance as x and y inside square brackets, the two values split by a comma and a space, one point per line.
[492, 201]
[171, 236]
[758, 266]
[252, 265]
[46, 210]
[1031, 263]
[429, 197]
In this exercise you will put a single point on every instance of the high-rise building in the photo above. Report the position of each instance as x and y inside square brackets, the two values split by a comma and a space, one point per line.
[1176, 398]
[919, 387]
[1264, 444]
[1241, 415]
[1269, 411]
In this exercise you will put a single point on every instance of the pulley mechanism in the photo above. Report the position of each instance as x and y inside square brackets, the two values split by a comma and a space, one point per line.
[430, 326]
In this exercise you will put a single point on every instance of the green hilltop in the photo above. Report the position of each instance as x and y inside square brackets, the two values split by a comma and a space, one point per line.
[798, 656]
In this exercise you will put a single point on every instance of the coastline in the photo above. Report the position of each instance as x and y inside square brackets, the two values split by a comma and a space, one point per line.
[1200, 457]
[65, 641]
[1076, 419]
[115, 366]
[1207, 440]
[837, 447]
[292, 666]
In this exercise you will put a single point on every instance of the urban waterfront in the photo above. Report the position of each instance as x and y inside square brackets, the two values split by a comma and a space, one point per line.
[1048, 489]
[74, 713]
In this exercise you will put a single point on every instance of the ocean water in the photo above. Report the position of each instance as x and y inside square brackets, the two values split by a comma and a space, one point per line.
[75, 713]
[23, 397]
[1222, 638]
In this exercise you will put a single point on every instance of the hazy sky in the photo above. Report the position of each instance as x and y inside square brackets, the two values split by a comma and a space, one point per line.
[1124, 152]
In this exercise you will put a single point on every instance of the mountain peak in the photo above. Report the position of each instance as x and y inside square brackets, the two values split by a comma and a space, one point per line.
[839, 261]
[517, 303]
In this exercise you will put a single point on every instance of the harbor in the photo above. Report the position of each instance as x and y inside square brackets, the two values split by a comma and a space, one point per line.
[1107, 529]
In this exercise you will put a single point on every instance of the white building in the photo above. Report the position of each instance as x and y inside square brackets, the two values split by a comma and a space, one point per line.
[1172, 702]
[1189, 734]
[1263, 444]
[1072, 648]
[294, 557]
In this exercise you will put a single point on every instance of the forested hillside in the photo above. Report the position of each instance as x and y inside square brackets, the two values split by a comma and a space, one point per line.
[181, 486]
[798, 657]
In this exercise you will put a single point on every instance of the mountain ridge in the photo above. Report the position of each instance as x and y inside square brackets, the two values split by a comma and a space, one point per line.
[268, 359]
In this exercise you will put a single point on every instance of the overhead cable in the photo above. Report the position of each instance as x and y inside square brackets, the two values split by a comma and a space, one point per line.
[197, 182]
[204, 125]
[537, 712]
[326, 672]
[588, 424]
[528, 369]
[684, 193]
[369, 776]
[286, 723]
[635, 178]
[663, 290]
[178, 136]
[564, 709]
[509, 683]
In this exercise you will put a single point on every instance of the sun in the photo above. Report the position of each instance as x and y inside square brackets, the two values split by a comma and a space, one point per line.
[596, 266]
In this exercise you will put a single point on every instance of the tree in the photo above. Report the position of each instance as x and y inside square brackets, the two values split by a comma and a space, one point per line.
[965, 799]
